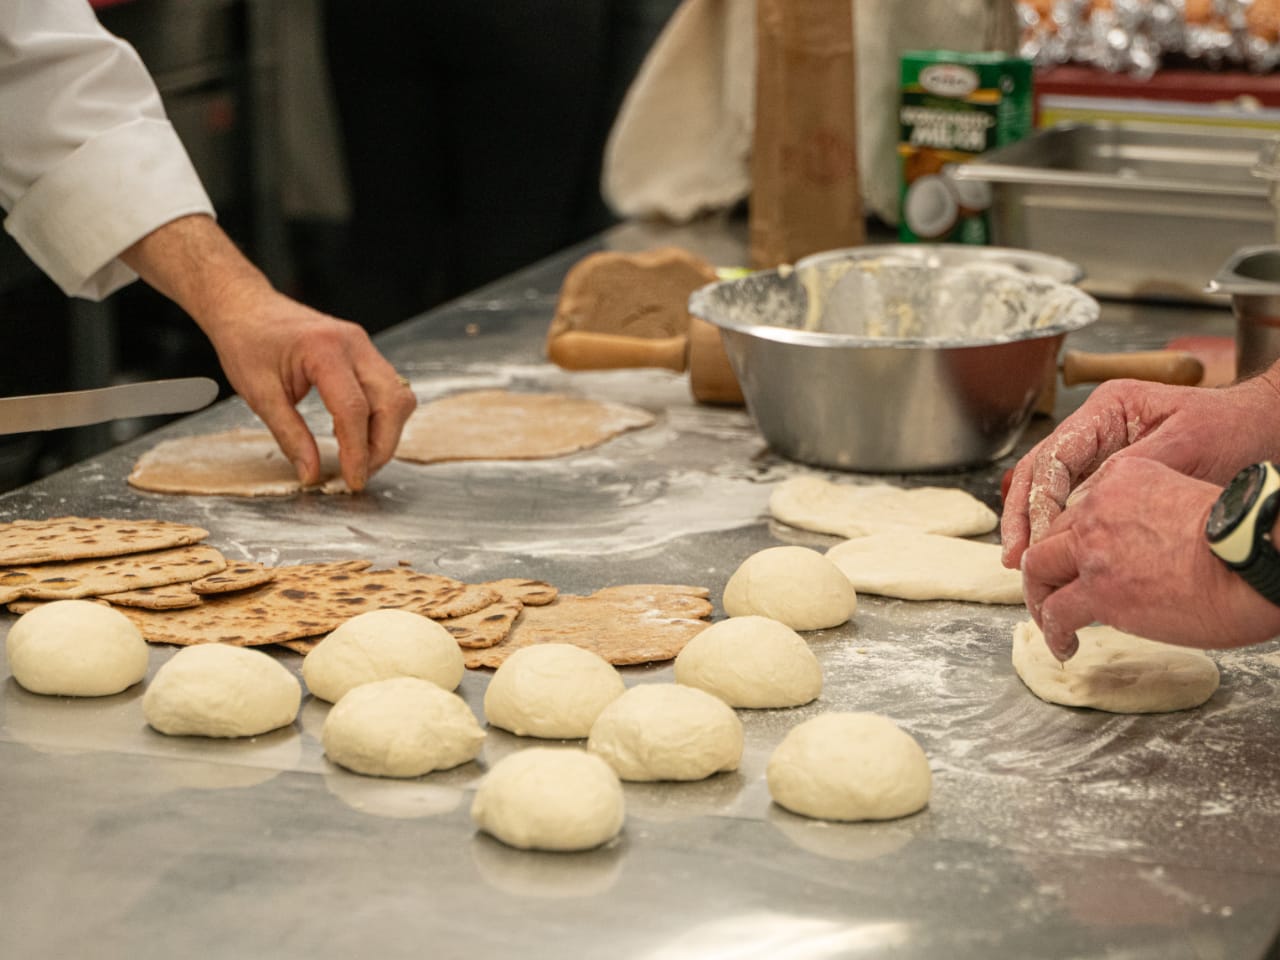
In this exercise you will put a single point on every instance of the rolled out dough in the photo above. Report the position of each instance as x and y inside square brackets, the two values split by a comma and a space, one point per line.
[849, 510]
[1114, 671]
[925, 566]
[500, 425]
[238, 463]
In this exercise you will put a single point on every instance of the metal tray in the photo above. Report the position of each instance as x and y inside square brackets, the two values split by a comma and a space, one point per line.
[1149, 212]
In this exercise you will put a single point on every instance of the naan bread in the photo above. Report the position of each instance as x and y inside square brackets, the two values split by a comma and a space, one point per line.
[636, 623]
[75, 579]
[79, 538]
[239, 463]
[176, 596]
[857, 510]
[498, 425]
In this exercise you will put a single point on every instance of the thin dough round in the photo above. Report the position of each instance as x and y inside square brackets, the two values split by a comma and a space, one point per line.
[75, 648]
[502, 425]
[378, 645]
[217, 690]
[551, 690]
[240, 463]
[850, 510]
[664, 731]
[849, 766]
[925, 566]
[793, 585]
[1114, 671]
[401, 727]
[548, 799]
[751, 662]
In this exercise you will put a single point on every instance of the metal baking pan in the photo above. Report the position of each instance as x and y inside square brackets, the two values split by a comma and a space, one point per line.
[1149, 211]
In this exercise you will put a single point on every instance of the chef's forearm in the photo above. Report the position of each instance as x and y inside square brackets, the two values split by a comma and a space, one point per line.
[194, 263]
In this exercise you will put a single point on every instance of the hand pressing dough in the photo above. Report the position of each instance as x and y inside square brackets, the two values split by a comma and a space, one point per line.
[239, 463]
[400, 727]
[549, 799]
[664, 731]
[793, 585]
[552, 690]
[849, 766]
[925, 566]
[1114, 671]
[378, 645]
[75, 648]
[751, 662]
[216, 690]
[858, 511]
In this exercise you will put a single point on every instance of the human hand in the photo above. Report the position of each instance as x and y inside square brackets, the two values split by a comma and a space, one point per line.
[1201, 432]
[274, 349]
[1129, 551]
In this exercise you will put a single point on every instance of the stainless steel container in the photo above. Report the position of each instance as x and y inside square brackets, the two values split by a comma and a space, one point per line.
[1251, 276]
[1148, 211]
[888, 364]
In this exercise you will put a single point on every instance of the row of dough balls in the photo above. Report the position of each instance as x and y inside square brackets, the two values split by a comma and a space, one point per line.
[390, 673]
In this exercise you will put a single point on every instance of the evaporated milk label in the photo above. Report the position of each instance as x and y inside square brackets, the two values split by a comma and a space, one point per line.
[953, 107]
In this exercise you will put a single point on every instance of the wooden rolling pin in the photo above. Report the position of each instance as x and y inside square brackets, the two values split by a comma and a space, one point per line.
[1160, 366]
[624, 310]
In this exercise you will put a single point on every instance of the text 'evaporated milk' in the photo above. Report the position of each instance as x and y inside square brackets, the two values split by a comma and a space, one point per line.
[953, 107]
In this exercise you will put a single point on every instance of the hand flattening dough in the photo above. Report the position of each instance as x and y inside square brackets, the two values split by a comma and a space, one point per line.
[1115, 671]
[924, 566]
[849, 510]
[793, 585]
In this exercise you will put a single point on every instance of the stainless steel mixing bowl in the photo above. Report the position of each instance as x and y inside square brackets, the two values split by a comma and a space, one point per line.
[893, 363]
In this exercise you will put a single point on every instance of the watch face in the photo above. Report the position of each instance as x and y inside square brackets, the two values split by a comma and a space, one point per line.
[1235, 502]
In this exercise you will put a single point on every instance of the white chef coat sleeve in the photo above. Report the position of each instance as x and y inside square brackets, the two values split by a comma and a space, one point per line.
[89, 163]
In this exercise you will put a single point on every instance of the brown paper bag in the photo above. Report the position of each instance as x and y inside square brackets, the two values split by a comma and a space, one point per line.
[805, 196]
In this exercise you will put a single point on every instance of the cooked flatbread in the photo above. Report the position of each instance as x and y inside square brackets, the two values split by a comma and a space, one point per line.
[79, 538]
[531, 593]
[176, 596]
[238, 463]
[483, 627]
[500, 425]
[74, 579]
[308, 600]
[237, 576]
[637, 623]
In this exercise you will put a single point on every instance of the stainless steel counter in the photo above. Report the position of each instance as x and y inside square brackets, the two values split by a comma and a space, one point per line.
[1051, 832]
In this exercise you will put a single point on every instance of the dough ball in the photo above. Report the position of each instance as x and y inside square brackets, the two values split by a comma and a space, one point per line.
[401, 727]
[378, 645]
[552, 690]
[549, 799]
[751, 662]
[76, 648]
[794, 585]
[1114, 671]
[216, 690]
[664, 731]
[849, 766]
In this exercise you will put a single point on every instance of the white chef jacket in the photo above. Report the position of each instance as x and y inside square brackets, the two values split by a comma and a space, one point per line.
[89, 163]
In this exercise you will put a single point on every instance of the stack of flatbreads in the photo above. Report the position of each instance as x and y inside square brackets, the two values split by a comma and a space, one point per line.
[180, 591]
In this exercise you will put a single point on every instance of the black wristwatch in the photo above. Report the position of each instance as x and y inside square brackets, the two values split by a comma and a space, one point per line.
[1239, 527]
